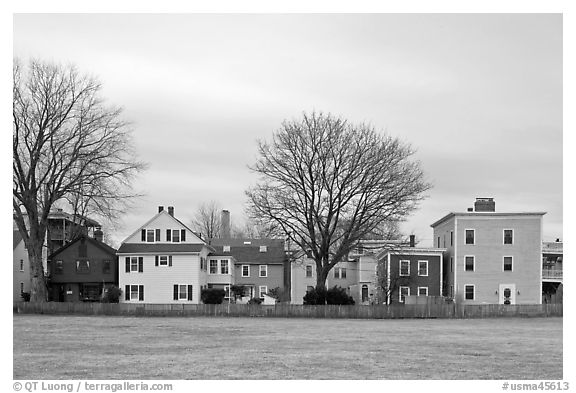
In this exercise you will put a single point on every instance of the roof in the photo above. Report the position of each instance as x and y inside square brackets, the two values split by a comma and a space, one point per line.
[150, 248]
[241, 242]
[412, 251]
[250, 254]
[16, 238]
[99, 244]
[156, 216]
[483, 214]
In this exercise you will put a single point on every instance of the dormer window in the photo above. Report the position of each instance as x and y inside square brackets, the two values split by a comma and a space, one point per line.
[226, 248]
[263, 248]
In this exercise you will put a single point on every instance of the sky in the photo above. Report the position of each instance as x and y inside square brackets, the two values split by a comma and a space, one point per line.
[479, 96]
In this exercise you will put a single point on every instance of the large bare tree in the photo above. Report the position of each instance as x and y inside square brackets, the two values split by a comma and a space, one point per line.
[329, 183]
[208, 220]
[68, 146]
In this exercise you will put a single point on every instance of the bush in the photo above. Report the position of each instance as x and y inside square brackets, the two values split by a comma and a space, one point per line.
[25, 296]
[112, 295]
[255, 300]
[334, 295]
[212, 296]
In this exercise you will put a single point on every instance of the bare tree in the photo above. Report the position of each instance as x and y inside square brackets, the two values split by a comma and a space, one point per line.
[328, 183]
[254, 228]
[67, 146]
[207, 220]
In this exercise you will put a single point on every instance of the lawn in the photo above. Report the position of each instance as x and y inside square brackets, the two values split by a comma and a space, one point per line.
[99, 347]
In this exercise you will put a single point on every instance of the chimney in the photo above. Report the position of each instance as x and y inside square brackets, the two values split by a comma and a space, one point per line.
[98, 234]
[171, 210]
[558, 240]
[470, 209]
[484, 205]
[160, 209]
[412, 241]
[225, 224]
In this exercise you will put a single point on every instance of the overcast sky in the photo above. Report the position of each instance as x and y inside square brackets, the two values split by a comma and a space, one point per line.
[478, 95]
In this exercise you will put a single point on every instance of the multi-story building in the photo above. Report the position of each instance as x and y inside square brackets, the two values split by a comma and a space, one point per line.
[163, 261]
[20, 267]
[259, 265]
[552, 272]
[82, 270]
[491, 257]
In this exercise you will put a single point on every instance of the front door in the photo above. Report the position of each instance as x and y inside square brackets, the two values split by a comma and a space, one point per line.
[507, 294]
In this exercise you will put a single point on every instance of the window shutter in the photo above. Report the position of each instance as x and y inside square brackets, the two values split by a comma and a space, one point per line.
[175, 292]
[169, 260]
[140, 264]
[156, 261]
[127, 292]
[183, 235]
[168, 235]
[127, 264]
[140, 292]
[189, 292]
[143, 235]
[157, 235]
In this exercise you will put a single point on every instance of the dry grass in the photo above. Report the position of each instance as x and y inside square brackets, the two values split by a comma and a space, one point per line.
[98, 347]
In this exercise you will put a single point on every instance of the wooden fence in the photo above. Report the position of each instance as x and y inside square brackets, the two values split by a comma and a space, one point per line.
[295, 311]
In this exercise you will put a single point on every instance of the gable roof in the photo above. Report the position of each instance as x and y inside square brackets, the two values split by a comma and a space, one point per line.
[158, 215]
[483, 214]
[157, 248]
[241, 242]
[250, 254]
[103, 246]
[16, 239]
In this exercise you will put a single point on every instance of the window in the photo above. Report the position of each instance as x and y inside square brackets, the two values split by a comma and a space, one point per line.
[469, 263]
[83, 266]
[451, 264]
[263, 270]
[202, 263]
[21, 287]
[339, 272]
[21, 265]
[404, 291]
[245, 270]
[422, 291]
[469, 292]
[438, 242]
[404, 268]
[59, 267]
[263, 248]
[226, 248]
[470, 236]
[444, 240]
[507, 264]
[423, 268]
[451, 238]
[163, 260]
[183, 292]
[134, 264]
[150, 235]
[106, 266]
[508, 236]
[213, 266]
[135, 292]
[224, 266]
[263, 290]
[175, 236]
[308, 270]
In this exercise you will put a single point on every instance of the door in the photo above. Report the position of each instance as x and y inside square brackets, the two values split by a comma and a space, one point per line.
[507, 294]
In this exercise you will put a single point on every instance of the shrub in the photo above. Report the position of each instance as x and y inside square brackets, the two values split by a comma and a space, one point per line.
[255, 300]
[334, 295]
[212, 296]
[25, 296]
[112, 295]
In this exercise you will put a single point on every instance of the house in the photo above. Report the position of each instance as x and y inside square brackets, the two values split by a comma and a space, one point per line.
[82, 270]
[410, 271]
[163, 261]
[552, 271]
[491, 257]
[20, 267]
[260, 265]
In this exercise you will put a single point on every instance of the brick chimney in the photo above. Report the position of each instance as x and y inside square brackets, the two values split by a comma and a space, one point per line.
[225, 224]
[412, 241]
[171, 210]
[160, 209]
[485, 205]
[98, 234]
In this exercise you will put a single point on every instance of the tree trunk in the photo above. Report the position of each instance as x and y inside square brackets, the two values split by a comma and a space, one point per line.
[38, 290]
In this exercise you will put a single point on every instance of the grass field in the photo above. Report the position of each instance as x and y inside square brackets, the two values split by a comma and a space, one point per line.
[97, 347]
